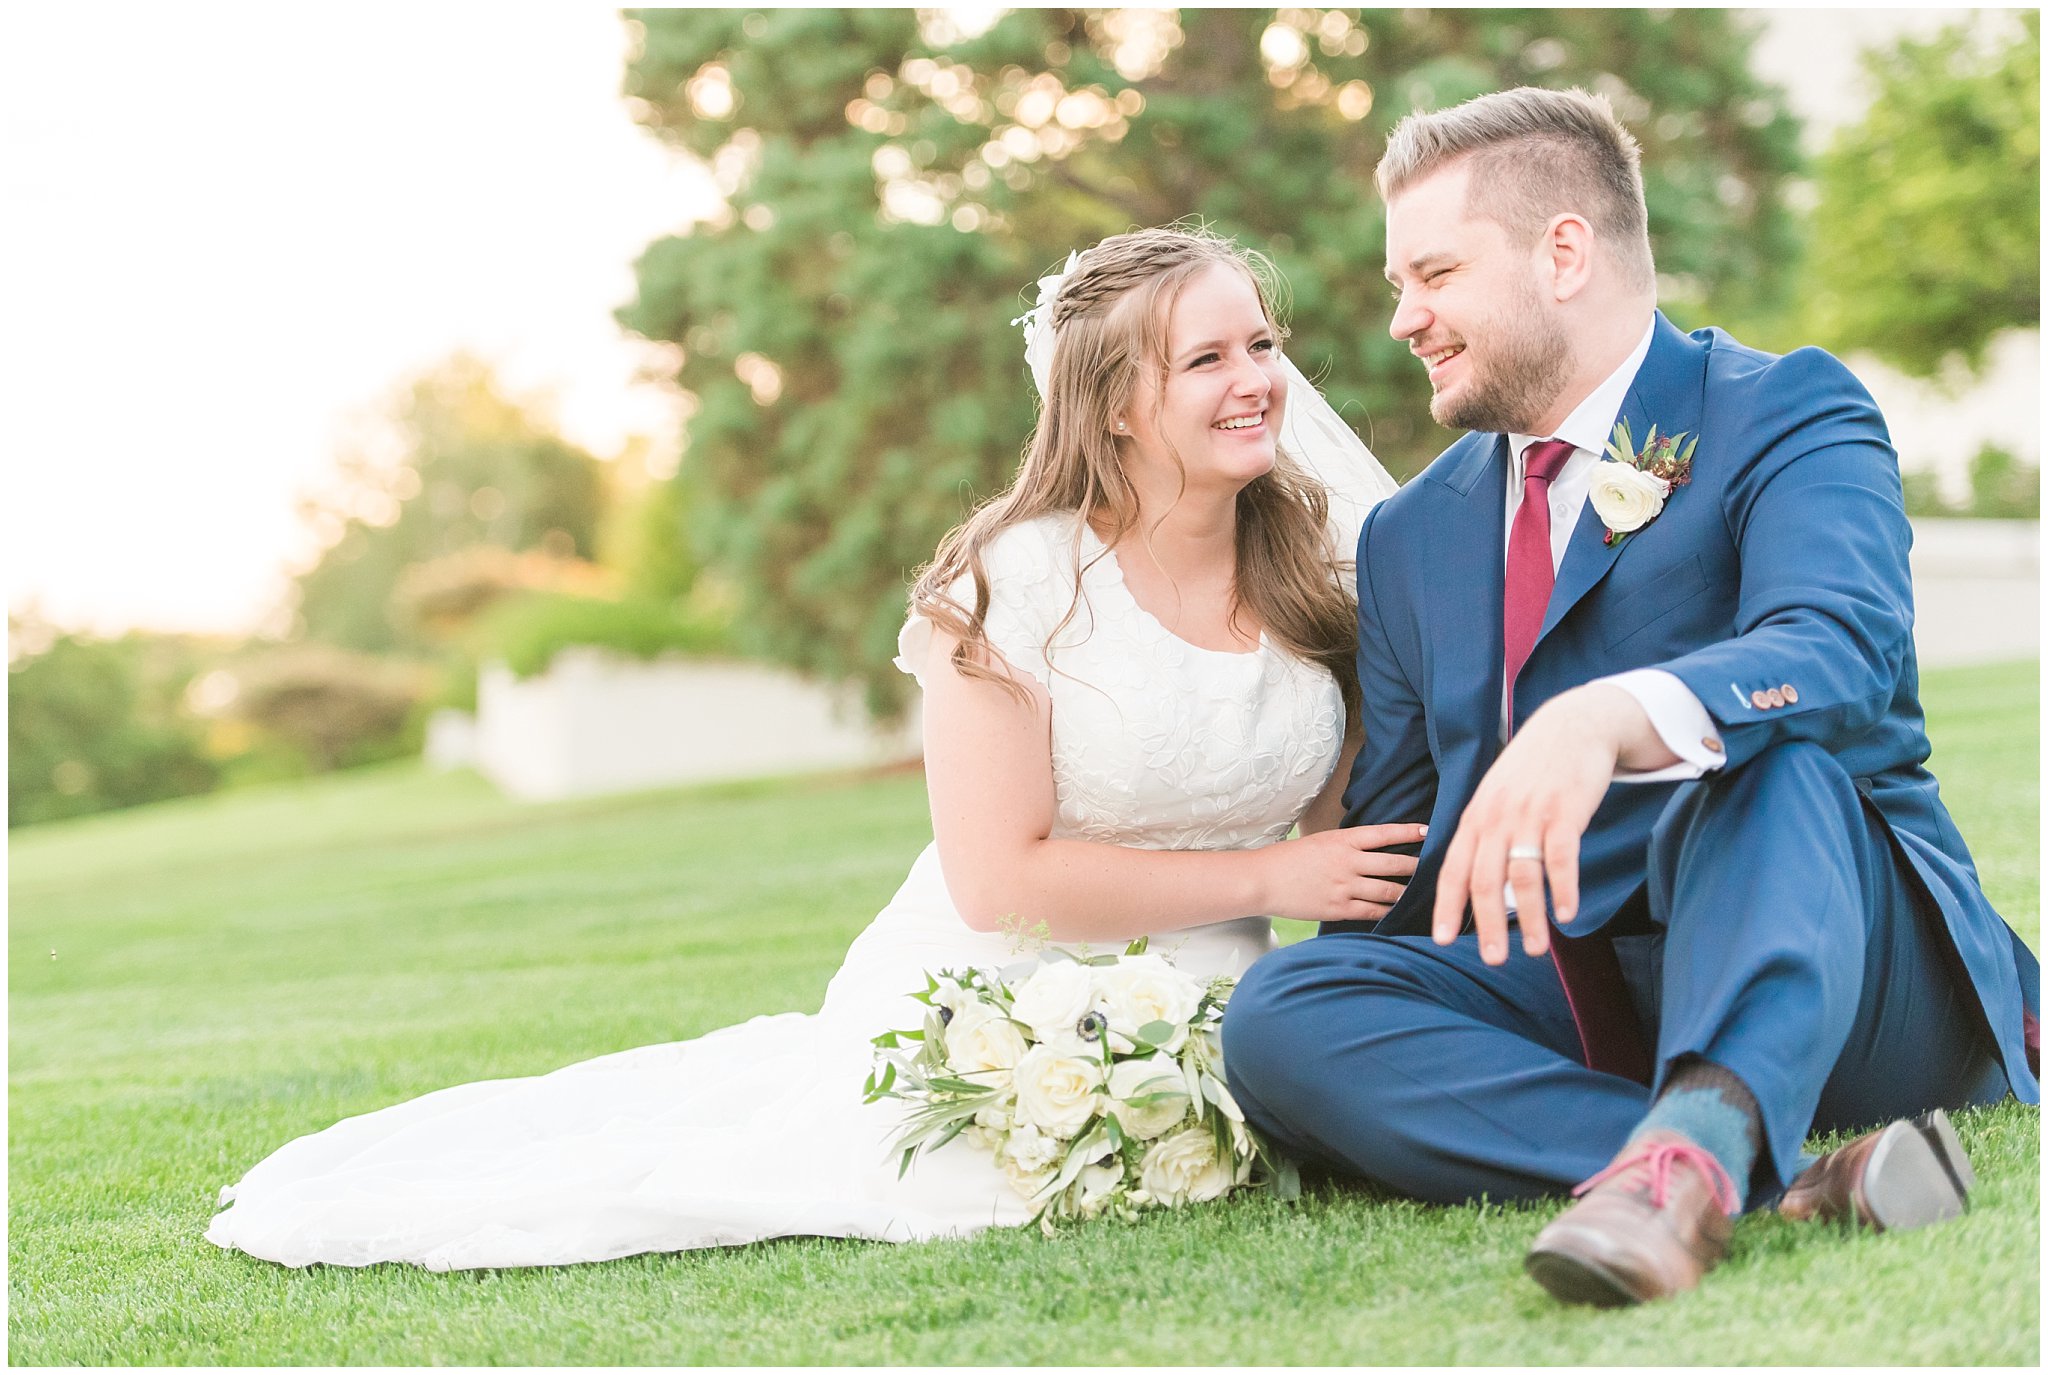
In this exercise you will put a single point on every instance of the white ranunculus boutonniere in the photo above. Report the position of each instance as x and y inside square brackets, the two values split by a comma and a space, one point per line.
[1630, 488]
[1627, 498]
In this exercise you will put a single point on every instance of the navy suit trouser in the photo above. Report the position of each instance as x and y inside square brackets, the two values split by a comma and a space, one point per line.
[1793, 948]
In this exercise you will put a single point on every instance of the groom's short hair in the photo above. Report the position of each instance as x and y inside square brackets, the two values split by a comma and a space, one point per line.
[1535, 153]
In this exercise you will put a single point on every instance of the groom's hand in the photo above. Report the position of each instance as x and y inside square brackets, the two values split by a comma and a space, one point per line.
[1538, 799]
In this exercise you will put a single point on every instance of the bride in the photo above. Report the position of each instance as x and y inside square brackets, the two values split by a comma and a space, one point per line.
[1136, 666]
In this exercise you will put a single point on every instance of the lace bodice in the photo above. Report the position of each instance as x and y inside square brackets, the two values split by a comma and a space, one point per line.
[1156, 743]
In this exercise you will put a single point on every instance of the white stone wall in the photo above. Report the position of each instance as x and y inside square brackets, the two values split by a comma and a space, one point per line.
[601, 723]
[1976, 591]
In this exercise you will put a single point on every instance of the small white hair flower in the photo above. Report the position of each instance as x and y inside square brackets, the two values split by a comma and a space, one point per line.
[1037, 323]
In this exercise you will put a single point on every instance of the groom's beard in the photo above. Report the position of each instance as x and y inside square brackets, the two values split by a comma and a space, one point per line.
[1527, 362]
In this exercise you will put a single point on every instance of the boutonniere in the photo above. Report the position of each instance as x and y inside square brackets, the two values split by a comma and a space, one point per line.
[1630, 487]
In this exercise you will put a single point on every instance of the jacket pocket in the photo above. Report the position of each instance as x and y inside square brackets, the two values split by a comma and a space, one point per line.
[1653, 595]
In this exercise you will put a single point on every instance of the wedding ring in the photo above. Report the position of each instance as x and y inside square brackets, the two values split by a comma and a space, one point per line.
[1516, 852]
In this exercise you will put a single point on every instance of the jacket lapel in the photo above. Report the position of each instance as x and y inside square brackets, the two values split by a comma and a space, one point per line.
[1465, 590]
[1668, 392]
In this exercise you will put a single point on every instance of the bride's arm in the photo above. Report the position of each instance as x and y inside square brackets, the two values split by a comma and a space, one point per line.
[988, 765]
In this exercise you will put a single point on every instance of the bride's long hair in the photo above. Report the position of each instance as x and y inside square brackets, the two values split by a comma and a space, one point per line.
[1109, 321]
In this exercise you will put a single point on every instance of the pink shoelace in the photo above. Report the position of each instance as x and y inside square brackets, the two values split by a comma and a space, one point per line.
[1659, 1157]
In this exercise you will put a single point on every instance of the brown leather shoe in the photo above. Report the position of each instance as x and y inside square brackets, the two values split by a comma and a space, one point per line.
[1646, 1227]
[1908, 1175]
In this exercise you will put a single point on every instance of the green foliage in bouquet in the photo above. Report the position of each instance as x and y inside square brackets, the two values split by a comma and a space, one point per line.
[1088, 1103]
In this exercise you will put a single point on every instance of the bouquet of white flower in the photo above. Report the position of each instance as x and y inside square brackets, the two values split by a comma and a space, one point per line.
[1097, 1084]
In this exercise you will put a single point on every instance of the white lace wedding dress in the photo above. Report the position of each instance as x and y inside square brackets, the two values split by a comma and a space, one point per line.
[758, 1130]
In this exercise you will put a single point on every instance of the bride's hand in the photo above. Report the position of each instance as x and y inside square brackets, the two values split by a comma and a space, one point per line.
[1340, 875]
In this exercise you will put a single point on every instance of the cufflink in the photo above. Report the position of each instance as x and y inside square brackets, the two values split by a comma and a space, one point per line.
[1712, 743]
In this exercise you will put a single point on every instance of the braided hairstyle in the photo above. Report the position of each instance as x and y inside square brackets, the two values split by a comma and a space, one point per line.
[1109, 322]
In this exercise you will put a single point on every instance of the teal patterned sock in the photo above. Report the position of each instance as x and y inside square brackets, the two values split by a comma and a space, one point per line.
[1715, 1110]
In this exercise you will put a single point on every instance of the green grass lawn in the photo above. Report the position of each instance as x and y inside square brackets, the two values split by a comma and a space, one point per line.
[194, 983]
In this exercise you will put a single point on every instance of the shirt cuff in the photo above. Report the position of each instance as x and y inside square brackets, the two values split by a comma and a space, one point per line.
[1679, 720]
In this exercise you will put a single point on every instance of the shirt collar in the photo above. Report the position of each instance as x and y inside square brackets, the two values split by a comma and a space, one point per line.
[1587, 428]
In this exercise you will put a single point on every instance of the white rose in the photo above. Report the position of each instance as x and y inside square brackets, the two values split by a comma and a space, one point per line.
[1142, 989]
[1626, 497]
[1157, 1077]
[1057, 1093]
[983, 1046]
[1054, 999]
[1184, 1168]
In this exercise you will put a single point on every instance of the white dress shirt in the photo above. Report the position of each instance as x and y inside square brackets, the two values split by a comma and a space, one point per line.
[1674, 712]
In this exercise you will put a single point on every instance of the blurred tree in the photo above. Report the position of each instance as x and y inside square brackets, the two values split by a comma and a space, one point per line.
[643, 537]
[95, 724]
[894, 186]
[475, 467]
[1927, 236]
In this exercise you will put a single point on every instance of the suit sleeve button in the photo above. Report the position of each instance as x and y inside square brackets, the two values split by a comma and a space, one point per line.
[1759, 699]
[1775, 697]
[1791, 693]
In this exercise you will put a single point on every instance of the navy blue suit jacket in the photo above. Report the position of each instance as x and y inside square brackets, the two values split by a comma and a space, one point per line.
[1782, 562]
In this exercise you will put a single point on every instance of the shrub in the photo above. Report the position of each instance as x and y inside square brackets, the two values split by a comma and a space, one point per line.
[1923, 494]
[2003, 485]
[336, 708]
[438, 598]
[95, 724]
[529, 632]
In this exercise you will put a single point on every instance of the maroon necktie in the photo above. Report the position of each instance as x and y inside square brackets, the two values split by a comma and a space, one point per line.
[1587, 968]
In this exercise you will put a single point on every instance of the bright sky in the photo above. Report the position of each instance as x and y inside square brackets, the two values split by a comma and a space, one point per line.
[230, 229]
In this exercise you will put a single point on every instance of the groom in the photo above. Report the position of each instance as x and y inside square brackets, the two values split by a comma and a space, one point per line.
[1688, 892]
